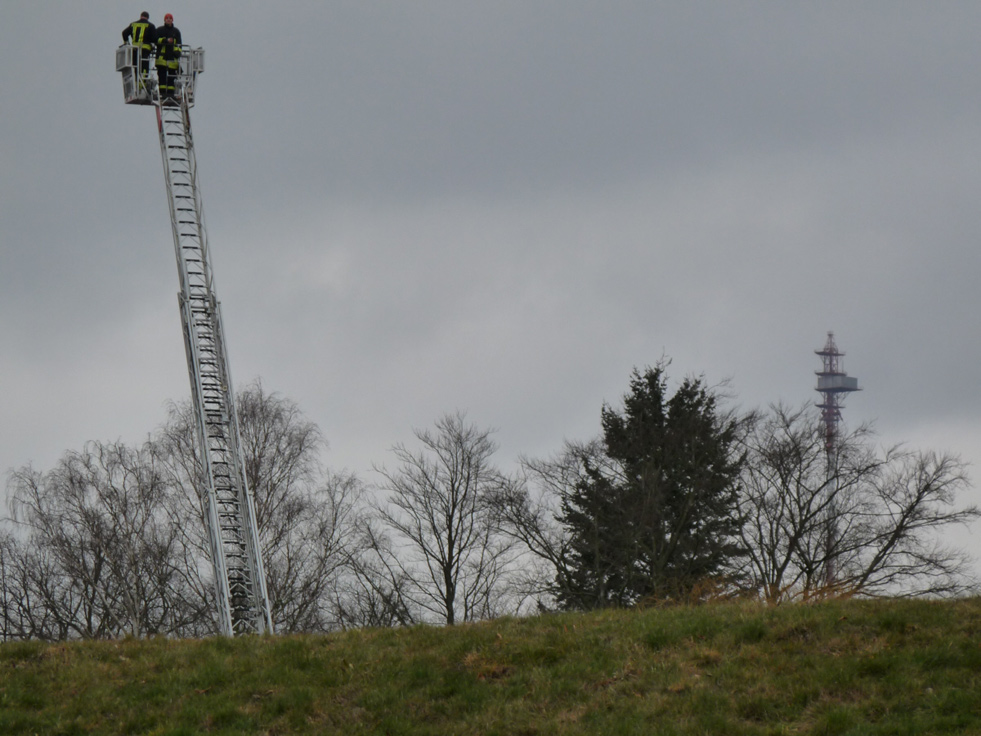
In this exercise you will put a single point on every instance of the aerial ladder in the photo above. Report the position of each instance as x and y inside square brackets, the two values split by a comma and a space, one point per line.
[230, 517]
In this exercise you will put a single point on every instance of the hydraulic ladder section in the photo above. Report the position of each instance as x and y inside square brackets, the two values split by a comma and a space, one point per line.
[243, 603]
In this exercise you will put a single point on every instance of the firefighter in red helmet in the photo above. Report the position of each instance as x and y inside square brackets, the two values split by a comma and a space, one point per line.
[168, 56]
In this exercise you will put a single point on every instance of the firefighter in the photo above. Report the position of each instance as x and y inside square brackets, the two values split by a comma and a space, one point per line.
[141, 33]
[168, 56]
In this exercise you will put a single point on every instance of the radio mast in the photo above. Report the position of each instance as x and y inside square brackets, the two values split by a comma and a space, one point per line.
[832, 383]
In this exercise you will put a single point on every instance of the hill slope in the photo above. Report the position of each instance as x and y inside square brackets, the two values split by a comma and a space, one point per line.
[844, 667]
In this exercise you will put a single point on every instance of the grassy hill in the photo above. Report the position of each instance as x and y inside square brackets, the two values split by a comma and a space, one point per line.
[844, 667]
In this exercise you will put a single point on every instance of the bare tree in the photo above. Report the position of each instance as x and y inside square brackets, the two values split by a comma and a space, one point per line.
[305, 514]
[36, 602]
[99, 557]
[527, 509]
[858, 520]
[311, 556]
[377, 589]
[112, 540]
[445, 542]
[8, 590]
[22, 576]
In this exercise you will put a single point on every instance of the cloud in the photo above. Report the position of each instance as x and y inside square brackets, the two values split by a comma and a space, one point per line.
[500, 208]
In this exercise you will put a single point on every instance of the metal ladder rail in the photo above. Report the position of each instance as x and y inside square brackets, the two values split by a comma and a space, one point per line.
[235, 534]
[232, 528]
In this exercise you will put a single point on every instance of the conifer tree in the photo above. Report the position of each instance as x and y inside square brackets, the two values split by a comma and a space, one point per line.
[657, 516]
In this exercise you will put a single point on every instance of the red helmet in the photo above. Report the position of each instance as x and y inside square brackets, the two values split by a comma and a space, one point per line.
[168, 17]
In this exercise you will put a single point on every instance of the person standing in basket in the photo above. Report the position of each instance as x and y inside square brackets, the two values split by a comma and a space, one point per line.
[168, 56]
[141, 34]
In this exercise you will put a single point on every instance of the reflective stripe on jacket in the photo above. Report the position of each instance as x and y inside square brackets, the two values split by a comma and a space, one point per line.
[166, 49]
[141, 32]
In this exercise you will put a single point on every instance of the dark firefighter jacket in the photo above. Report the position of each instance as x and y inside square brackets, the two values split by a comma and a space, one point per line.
[142, 32]
[168, 43]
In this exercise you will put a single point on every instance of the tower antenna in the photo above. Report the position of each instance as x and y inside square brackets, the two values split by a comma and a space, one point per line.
[832, 383]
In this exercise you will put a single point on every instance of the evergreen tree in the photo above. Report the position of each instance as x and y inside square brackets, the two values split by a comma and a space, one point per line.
[656, 515]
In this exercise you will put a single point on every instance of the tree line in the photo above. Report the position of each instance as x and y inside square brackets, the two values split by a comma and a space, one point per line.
[680, 498]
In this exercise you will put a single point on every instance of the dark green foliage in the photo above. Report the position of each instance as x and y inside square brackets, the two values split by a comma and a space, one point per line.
[653, 513]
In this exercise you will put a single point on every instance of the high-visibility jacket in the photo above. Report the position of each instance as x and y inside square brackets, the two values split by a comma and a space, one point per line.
[143, 33]
[168, 46]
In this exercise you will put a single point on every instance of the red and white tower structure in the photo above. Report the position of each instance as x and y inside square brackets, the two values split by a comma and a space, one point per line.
[832, 383]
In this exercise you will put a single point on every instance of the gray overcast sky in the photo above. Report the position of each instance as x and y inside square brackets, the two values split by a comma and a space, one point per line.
[499, 207]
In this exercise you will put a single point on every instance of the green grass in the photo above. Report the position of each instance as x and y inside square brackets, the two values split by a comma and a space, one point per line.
[842, 667]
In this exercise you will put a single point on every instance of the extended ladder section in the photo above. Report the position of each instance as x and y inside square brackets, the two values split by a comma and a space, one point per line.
[243, 603]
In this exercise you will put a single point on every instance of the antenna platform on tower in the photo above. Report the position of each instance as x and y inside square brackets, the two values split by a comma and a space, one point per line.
[832, 383]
